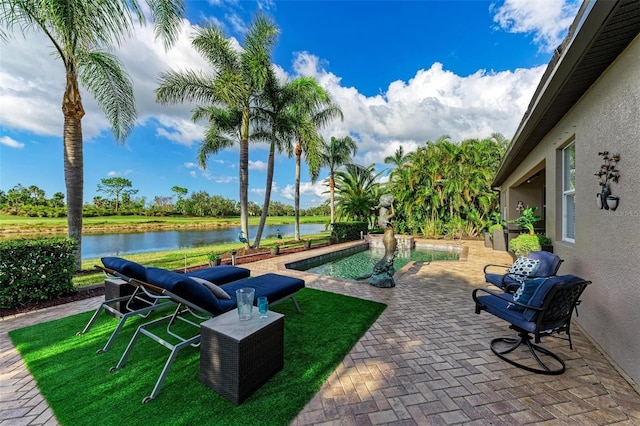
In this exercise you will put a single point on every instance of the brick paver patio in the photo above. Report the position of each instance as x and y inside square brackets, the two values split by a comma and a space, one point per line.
[425, 361]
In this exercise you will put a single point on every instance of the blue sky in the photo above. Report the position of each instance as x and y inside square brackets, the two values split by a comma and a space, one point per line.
[403, 72]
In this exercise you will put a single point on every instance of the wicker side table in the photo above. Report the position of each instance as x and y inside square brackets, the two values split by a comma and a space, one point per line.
[237, 357]
[115, 288]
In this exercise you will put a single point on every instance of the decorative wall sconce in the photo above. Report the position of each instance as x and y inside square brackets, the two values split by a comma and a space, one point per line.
[606, 174]
[520, 206]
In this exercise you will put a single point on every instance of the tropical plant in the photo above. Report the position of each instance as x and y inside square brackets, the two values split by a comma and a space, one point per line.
[334, 155]
[117, 187]
[313, 110]
[399, 159]
[231, 91]
[81, 33]
[527, 219]
[357, 192]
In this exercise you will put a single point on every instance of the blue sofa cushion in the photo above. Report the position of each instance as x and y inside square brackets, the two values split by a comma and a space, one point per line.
[221, 274]
[125, 267]
[496, 279]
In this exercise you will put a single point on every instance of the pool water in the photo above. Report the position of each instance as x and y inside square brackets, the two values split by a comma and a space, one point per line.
[352, 266]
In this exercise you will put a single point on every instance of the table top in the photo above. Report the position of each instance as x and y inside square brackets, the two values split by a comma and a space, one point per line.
[230, 325]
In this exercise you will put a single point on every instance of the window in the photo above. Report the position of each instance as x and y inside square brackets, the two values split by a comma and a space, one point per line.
[568, 192]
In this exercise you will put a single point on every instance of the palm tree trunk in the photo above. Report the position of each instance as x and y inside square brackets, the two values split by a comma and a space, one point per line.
[73, 161]
[267, 193]
[296, 210]
[244, 175]
[332, 187]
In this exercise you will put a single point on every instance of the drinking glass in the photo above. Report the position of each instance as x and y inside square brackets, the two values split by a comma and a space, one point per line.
[244, 296]
[263, 307]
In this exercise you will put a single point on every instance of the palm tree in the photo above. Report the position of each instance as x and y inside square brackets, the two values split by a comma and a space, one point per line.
[237, 82]
[314, 109]
[335, 154]
[275, 124]
[357, 191]
[81, 32]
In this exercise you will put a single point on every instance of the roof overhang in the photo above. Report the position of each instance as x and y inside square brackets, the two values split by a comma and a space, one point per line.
[600, 32]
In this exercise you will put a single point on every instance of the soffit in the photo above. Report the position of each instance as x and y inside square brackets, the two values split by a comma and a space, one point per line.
[605, 32]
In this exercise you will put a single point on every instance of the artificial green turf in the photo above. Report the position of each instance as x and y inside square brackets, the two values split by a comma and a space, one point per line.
[80, 389]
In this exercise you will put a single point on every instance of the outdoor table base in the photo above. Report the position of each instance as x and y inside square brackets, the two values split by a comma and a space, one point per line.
[237, 357]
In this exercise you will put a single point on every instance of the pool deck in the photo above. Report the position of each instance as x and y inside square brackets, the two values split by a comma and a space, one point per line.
[426, 360]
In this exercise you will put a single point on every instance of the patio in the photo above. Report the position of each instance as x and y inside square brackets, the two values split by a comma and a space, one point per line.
[425, 361]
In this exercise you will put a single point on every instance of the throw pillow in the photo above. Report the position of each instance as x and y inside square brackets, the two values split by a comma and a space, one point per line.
[217, 291]
[523, 267]
[525, 292]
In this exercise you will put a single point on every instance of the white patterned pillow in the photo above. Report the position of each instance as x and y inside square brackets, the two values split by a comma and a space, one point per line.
[523, 267]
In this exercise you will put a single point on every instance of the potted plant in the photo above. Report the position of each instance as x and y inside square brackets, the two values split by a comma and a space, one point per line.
[214, 259]
[527, 220]
[275, 249]
[496, 223]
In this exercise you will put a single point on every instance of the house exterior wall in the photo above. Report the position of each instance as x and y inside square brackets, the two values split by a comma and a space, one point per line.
[607, 243]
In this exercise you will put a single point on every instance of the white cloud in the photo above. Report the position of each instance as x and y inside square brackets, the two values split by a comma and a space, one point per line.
[433, 103]
[113, 173]
[258, 165]
[10, 142]
[547, 20]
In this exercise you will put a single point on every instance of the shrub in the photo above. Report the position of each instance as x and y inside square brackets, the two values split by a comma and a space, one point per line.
[35, 269]
[348, 231]
[523, 244]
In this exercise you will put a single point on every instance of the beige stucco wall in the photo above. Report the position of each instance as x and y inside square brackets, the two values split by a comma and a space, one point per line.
[607, 243]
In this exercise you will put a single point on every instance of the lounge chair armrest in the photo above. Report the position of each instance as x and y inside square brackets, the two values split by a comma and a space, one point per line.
[506, 267]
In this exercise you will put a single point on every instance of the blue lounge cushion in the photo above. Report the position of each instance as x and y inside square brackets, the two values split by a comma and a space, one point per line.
[273, 286]
[125, 267]
[221, 274]
[184, 287]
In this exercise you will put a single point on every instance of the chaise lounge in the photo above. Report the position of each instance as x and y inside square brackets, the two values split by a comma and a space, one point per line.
[197, 302]
[141, 301]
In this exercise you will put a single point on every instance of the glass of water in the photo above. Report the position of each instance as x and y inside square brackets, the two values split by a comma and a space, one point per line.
[263, 307]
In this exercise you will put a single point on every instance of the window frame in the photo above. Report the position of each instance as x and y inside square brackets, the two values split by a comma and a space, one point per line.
[568, 192]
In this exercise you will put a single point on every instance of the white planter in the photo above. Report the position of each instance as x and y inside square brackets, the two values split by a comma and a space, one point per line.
[612, 202]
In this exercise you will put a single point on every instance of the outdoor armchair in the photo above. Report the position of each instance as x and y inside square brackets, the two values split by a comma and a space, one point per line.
[540, 307]
[538, 264]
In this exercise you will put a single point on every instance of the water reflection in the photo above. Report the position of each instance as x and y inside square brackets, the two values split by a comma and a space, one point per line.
[94, 246]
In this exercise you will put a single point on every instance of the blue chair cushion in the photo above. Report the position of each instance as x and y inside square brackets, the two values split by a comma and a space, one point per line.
[496, 279]
[125, 267]
[221, 274]
[499, 307]
[548, 263]
[525, 293]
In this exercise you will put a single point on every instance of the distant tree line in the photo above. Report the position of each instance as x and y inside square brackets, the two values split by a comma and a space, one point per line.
[120, 200]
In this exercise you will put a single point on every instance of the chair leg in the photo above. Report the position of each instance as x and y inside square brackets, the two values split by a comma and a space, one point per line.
[534, 349]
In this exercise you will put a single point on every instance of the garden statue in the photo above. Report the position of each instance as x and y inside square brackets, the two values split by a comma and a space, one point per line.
[383, 271]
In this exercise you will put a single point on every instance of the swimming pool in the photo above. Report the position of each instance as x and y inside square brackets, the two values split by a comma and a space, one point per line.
[358, 261]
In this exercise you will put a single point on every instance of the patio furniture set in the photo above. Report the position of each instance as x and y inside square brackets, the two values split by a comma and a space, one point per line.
[236, 359]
